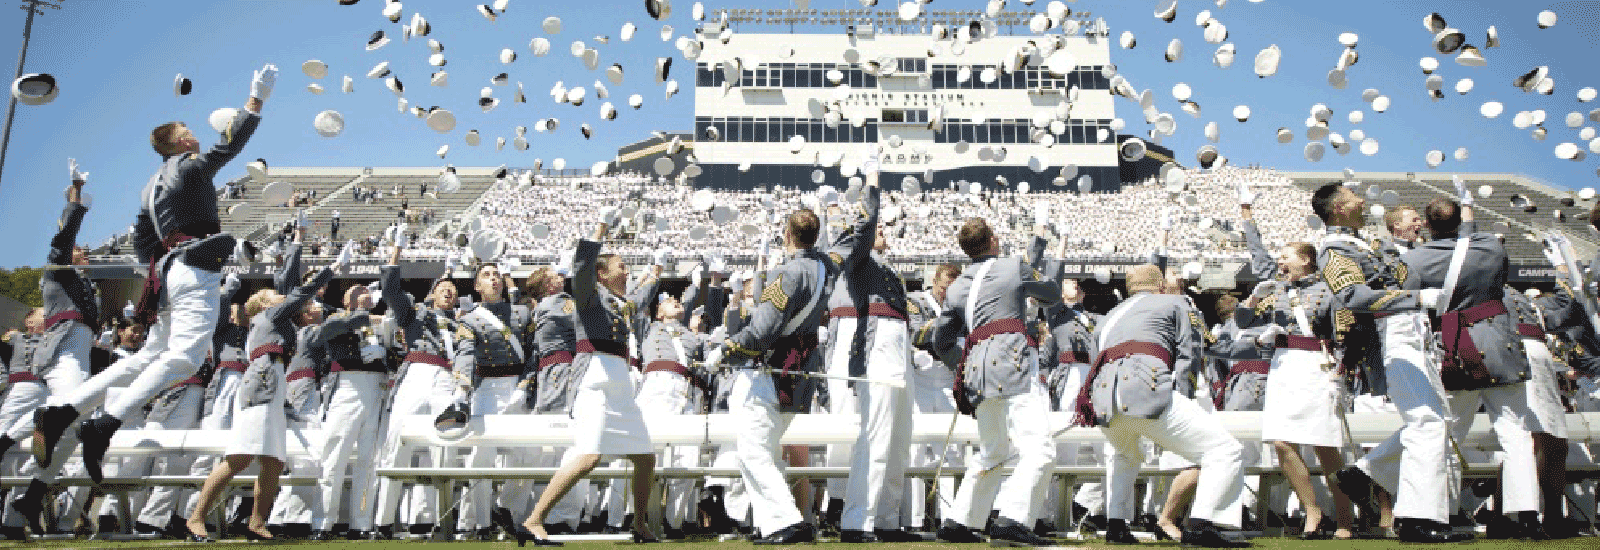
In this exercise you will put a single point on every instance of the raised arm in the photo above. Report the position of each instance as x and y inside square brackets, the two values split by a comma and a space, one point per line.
[1261, 263]
[66, 236]
[297, 298]
[855, 244]
[1047, 290]
[293, 268]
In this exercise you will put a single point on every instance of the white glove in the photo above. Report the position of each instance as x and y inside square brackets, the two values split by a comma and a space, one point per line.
[1429, 297]
[77, 176]
[265, 79]
[1166, 219]
[1270, 334]
[371, 353]
[346, 256]
[231, 279]
[374, 287]
[869, 160]
[714, 358]
[1246, 196]
[718, 264]
[1553, 254]
[1264, 289]
[1461, 191]
[402, 236]
[129, 310]
[609, 215]
[660, 257]
[694, 275]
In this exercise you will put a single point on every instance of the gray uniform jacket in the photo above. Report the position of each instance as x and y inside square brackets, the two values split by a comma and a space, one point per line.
[788, 289]
[65, 293]
[556, 338]
[185, 200]
[1001, 364]
[603, 320]
[864, 281]
[500, 348]
[1482, 279]
[658, 352]
[1367, 284]
[1141, 385]
[273, 339]
[425, 330]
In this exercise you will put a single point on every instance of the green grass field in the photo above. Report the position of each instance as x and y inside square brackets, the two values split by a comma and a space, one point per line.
[1262, 543]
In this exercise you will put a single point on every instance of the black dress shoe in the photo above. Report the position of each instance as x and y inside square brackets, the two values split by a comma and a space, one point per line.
[49, 424]
[13, 533]
[641, 538]
[793, 534]
[1529, 528]
[353, 534]
[1204, 534]
[560, 528]
[502, 518]
[957, 533]
[107, 523]
[524, 536]
[384, 532]
[1500, 527]
[1427, 531]
[321, 535]
[200, 539]
[1355, 484]
[142, 528]
[1010, 532]
[95, 434]
[856, 536]
[1117, 532]
[897, 535]
[31, 505]
[420, 528]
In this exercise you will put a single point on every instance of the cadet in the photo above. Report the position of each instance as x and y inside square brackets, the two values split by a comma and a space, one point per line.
[1484, 362]
[57, 361]
[1146, 343]
[997, 381]
[1396, 364]
[499, 353]
[352, 406]
[780, 337]
[606, 419]
[423, 384]
[179, 235]
[261, 430]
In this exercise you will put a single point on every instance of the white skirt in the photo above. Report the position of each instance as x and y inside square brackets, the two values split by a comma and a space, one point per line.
[1544, 392]
[1301, 401]
[262, 430]
[605, 418]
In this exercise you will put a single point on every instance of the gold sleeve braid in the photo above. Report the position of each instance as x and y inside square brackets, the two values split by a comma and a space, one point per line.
[1402, 272]
[1341, 272]
[568, 306]
[837, 259]
[1389, 296]
[1343, 319]
[774, 293]
[734, 347]
[1266, 305]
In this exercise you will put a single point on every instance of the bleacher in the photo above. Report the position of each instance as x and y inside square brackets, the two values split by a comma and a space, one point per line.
[253, 225]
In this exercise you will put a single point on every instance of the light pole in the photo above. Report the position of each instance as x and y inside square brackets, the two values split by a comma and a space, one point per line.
[32, 7]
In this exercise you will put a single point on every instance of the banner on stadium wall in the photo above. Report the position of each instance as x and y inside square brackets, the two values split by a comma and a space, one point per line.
[360, 270]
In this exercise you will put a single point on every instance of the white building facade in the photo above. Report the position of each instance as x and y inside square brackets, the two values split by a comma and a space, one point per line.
[960, 110]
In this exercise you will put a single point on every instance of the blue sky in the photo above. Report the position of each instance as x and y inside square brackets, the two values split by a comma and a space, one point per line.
[115, 61]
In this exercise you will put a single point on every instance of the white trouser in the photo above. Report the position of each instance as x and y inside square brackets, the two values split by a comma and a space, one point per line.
[667, 393]
[1188, 431]
[295, 504]
[842, 399]
[350, 424]
[173, 350]
[426, 389]
[932, 391]
[163, 499]
[496, 395]
[1412, 464]
[753, 402]
[878, 468]
[70, 370]
[735, 499]
[1017, 425]
[1508, 413]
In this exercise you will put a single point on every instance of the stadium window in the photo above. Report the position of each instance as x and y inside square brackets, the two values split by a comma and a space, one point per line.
[980, 133]
[969, 133]
[787, 77]
[870, 81]
[871, 134]
[747, 129]
[894, 115]
[730, 131]
[704, 77]
[814, 127]
[1077, 134]
[1008, 133]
